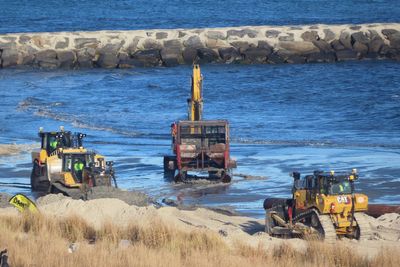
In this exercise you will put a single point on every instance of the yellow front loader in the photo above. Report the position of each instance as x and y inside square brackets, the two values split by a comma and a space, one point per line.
[63, 165]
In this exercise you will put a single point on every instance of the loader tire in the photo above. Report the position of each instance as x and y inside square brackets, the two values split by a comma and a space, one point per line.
[35, 174]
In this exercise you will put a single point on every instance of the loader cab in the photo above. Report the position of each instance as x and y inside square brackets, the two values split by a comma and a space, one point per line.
[76, 163]
[50, 141]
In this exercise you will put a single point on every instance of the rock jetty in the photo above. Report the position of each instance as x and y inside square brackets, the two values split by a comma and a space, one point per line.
[244, 45]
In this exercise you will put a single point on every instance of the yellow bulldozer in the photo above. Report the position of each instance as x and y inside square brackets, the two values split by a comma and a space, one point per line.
[323, 205]
[63, 165]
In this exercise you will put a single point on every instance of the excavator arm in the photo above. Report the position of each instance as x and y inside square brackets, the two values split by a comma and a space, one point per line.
[196, 101]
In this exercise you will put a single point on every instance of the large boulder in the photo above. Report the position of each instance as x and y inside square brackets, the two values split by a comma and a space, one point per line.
[193, 42]
[265, 45]
[390, 52]
[161, 35]
[215, 35]
[207, 55]
[345, 40]
[108, 56]
[287, 38]
[256, 55]
[319, 57]
[229, 54]
[171, 56]
[295, 59]
[393, 36]
[171, 53]
[66, 59]
[241, 45]
[345, 55]
[26, 58]
[189, 55]
[147, 58]
[241, 33]
[133, 45]
[125, 60]
[276, 58]
[299, 48]
[9, 57]
[272, 33]
[329, 35]
[23, 39]
[360, 37]
[85, 57]
[47, 59]
[62, 44]
[151, 44]
[360, 48]
[323, 46]
[337, 45]
[376, 43]
[310, 36]
[86, 42]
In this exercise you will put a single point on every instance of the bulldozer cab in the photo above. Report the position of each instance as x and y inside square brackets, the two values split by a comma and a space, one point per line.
[308, 189]
[335, 184]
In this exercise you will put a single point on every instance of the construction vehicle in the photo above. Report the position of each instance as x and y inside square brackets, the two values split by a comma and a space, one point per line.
[323, 205]
[63, 165]
[199, 145]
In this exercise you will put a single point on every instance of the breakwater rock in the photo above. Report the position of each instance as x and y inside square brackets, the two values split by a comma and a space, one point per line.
[247, 45]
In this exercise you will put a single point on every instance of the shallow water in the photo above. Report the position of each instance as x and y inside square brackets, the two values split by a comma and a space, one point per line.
[75, 15]
[283, 118]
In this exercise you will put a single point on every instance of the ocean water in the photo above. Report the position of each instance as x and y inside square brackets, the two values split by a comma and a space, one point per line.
[75, 15]
[283, 118]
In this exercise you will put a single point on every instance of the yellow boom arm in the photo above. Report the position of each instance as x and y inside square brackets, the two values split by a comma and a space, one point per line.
[196, 100]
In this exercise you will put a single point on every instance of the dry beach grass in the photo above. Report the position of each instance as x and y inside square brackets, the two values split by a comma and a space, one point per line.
[41, 240]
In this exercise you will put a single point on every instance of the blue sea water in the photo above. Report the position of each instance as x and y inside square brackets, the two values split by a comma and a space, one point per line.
[283, 118]
[75, 15]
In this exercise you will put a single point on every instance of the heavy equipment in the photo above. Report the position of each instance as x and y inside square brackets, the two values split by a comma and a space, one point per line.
[63, 165]
[199, 145]
[323, 205]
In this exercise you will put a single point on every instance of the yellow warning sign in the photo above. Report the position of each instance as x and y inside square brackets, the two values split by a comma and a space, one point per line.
[23, 203]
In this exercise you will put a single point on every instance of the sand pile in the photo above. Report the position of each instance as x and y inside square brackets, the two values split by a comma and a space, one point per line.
[232, 229]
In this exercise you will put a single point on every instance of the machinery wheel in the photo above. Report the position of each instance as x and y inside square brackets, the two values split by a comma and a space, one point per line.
[180, 177]
[169, 167]
[35, 174]
[364, 231]
[226, 178]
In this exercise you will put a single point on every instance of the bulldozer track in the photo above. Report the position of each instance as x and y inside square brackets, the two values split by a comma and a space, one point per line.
[326, 228]
[363, 226]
